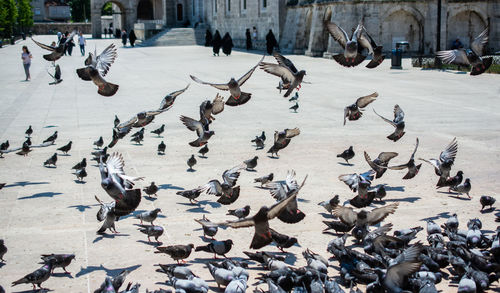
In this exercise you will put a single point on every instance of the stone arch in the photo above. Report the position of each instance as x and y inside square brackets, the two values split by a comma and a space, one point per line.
[402, 24]
[127, 13]
[145, 10]
[465, 24]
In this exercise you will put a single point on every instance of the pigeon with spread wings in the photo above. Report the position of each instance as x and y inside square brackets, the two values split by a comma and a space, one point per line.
[398, 123]
[442, 165]
[376, 51]
[140, 119]
[202, 131]
[97, 66]
[56, 52]
[168, 100]
[56, 76]
[358, 182]
[209, 108]
[118, 185]
[411, 166]
[286, 70]
[352, 50]
[291, 214]
[381, 161]
[282, 139]
[237, 97]
[364, 218]
[353, 112]
[226, 189]
[260, 221]
[469, 57]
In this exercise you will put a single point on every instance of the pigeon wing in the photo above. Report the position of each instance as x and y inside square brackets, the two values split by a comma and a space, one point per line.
[231, 176]
[396, 274]
[193, 125]
[415, 150]
[479, 42]
[379, 214]
[289, 133]
[337, 33]
[387, 156]
[366, 100]
[169, 99]
[43, 46]
[347, 215]
[450, 152]
[127, 123]
[283, 61]
[223, 87]
[453, 56]
[385, 119]
[105, 59]
[277, 70]
[247, 75]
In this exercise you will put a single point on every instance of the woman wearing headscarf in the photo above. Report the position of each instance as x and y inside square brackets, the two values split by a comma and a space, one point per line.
[249, 39]
[208, 38]
[227, 44]
[216, 43]
[270, 42]
[132, 37]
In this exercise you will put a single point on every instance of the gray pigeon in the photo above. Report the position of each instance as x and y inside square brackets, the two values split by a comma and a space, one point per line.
[354, 111]
[240, 213]
[152, 231]
[107, 214]
[191, 162]
[177, 252]
[351, 56]
[97, 66]
[398, 123]
[178, 271]
[192, 285]
[202, 131]
[221, 276]
[286, 71]
[381, 161]
[251, 163]
[149, 216]
[190, 194]
[56, 52]
[3, 250]
[159, 130]
[217, 247]
[99, 143]
[347, 154]
[51, 161]
[37, 277]
[168, 100]
[59, 260]
[413, 169]
[208, 230]
[329, 205]
[442, 165]
[161, 148]
[264, 179]
[465, 187]
[238, 285]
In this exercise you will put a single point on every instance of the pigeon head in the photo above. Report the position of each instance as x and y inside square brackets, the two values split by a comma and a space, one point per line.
[255, 158]
[228, 242]
[157, 210]
[271, 177]
[301, 73]
[247, 207]
[106, 183]
[293, 240]
[141, 115]
[359, 232]
[460, 173]
[233, 82]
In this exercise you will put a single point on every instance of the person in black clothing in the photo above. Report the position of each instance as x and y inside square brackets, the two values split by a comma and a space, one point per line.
[208, 38]
[227, 44]
[105, 32]
[132, 37]
[118, 33]
[70, 45]
[270, 42]
[124, 37]
[249, 40]
[216, 43]
[62, 41]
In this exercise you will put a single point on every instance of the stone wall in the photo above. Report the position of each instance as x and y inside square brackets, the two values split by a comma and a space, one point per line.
[44, 28]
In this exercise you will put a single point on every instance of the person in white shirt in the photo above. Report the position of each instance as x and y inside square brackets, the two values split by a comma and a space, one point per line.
[82, 42]
[26, 57]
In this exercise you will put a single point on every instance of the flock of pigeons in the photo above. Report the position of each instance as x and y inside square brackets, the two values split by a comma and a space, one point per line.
[372, 257]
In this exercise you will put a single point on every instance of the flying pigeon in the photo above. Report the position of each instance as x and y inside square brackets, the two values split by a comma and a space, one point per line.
[56, 76]
[209, 108]
[354, 111]
[398, 123]
[442, 165]
[56, 52]
[202, 131]
[168, 100]
[286, 71]
[97, 66]
[412, 168]
[228, 185]
[381, 161]
[352, 49]
[376, 51]
[470, 57]
[282, 139]
[237, 97]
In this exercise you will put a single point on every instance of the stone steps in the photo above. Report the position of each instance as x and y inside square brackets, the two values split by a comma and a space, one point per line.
[177, 37]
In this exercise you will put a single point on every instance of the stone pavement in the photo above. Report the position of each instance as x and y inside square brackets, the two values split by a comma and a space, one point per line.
[43, 210]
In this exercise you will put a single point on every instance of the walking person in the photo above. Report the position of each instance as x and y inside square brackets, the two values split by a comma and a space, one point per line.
[216, 43]
[270, 42]
[70, 44]
[124, 37]
[82, 42]
[249, 39]
[227, 44]
[59, 35]
[132, 37]
[26, 57]
[62, 40]
[105, 33]
[254, 35]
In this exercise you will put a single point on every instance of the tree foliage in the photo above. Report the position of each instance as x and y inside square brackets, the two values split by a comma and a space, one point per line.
[107, 9]
[80, 10]
[8, 17]
[25, 14]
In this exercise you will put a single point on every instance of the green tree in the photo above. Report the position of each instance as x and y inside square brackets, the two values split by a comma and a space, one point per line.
[25, 14]
[107, 9]
[8, 17]
[80, 10]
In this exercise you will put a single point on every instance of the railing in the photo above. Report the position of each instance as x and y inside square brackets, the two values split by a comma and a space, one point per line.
[152, 21]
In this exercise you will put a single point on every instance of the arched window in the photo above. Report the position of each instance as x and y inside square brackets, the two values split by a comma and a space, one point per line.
[145, 10]
[180, 15]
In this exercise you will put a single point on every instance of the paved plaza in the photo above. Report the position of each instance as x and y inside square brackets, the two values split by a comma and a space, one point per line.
[43, 210]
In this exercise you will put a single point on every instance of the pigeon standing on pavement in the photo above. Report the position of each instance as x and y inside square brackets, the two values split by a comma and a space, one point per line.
[37, 277]
[80, 174]
[177, 252]
[216, 247]
[208, 230]
[29, 131]
[397, 122]
[159, 131]
[81, 164]
[59, 260]
[295, 107]
[149, 216]
[152, 189]
[347, 154]
[463, 188]
[65, 148]
[203, 151]
[487, 200]
[3, 250]
[51, 161]
[240, 213]
[161, 148]
[152, 231]
[264, 179]
[51, 138]
[282, 140]
[251, 163]
[99, 143]
[190, 194]
[329, 205]
[191, 162]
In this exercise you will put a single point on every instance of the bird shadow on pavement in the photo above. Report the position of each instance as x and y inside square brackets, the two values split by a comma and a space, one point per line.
[345, 164]
[109, 236]
[271, 157]
[109, 272]
[444, 215]
[64, 155]
[50, 167]
[152, 243]
[81, 207]
[199, 209]
[2, 264]
[303, 200]
[170, 186]
[40, 194]
[205, 239]
[79, 182]
[202, 157]
[24, 183]
[37, 290]
[60, 275]
[327, 215]
[394, 188]
[457, 196]
[50, 126]
[251, 170]
[488, 210]
[150, 198]
[410, 199]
